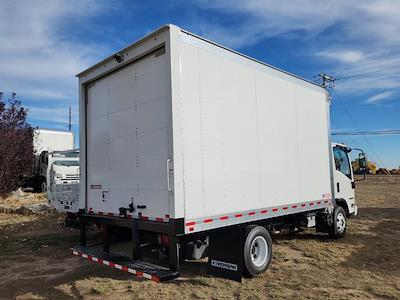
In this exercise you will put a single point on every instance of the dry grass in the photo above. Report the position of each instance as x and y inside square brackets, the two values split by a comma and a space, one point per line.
[29, 198]
[36, 263]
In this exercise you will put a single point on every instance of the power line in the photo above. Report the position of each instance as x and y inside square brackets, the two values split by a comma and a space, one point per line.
[373, 67]
[353, 142]
[372, 132]
[375, 62]
[328, 83]
[365, 104]
[363, 136]
[370, 69]
[377, 75]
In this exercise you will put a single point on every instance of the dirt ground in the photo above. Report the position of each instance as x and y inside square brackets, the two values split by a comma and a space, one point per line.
[35, 261]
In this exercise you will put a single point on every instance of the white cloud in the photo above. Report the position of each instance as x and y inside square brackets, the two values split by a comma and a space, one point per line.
[374, 19]
[370, 27]
[269, 18]
[346, 56]
[381, 97]
[380, 72]
[36, 59]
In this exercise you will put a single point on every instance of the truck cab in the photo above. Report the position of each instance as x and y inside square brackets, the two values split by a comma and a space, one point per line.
[63, 172]
[58, 167]
[62, 180]
[343, 177]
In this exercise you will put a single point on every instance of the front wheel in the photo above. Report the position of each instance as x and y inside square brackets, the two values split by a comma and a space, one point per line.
[257, 251]
[339, 224]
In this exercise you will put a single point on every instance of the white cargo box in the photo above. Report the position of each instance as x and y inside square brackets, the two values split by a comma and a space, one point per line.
[52, 140]
[181, 127]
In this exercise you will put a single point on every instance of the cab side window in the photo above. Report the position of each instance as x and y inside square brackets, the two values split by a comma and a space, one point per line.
[342, 162]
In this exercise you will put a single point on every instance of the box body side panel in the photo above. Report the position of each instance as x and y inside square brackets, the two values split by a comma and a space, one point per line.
[252, 137]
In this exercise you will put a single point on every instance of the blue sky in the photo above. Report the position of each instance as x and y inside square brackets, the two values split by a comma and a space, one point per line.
[44, 43]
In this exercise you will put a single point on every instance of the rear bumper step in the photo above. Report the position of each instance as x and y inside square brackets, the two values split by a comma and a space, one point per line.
[136, 267]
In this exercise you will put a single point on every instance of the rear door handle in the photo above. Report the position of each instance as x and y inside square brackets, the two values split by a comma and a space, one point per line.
[338, 187]
[169, 188]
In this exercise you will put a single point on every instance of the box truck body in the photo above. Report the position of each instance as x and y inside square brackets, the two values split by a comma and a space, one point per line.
[52, 140]
[208, 134]
[185, 138]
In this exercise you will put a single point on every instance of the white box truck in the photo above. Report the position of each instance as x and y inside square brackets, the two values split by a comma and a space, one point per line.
[62, 180]
[195, 150]
[46, 141]
[52, 140]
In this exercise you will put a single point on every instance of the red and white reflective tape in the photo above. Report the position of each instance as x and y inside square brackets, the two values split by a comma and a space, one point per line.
[253, 215]
[129, 216]
[116, 266]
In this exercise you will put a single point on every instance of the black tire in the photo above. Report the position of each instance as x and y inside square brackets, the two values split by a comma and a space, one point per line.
[339, 225]
[37, 184]
[257, 238]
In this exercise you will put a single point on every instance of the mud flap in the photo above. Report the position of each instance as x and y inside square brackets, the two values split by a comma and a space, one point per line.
[225, 253]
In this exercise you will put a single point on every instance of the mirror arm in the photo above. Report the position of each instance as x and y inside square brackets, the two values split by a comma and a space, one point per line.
[361, 178]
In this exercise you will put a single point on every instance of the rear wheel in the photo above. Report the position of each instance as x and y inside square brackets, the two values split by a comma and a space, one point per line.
[257, 251]
[339, 224]
[37, 184]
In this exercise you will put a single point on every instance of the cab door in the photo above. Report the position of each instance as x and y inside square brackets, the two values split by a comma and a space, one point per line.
[343, 176]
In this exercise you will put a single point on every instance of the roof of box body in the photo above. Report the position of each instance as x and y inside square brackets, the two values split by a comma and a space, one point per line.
[53, 130]
[150, 35]
[167, 26]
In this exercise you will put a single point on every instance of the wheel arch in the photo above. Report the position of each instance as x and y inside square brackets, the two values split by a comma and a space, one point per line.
[342, 203]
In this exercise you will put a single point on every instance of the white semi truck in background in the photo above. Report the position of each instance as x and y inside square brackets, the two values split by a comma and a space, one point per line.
[193, 150]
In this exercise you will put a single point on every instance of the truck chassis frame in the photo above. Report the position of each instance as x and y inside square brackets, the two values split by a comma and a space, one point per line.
[225, 243]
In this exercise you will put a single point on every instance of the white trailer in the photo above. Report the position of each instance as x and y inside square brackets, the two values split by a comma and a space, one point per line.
[204, 150]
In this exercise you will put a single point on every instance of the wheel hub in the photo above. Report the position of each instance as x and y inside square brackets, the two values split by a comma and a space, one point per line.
[259, 251]
[340, 222]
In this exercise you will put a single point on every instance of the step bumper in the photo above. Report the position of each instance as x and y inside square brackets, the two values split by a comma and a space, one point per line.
[139, 268]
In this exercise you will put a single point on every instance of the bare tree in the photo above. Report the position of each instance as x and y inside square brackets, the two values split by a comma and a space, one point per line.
[16, 144]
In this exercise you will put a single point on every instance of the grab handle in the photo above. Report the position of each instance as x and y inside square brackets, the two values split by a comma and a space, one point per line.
[169, 188]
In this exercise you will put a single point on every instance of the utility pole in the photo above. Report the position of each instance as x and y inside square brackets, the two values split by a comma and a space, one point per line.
[69, 120]
[328, 82]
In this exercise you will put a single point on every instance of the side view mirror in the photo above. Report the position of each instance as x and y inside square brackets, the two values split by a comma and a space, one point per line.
[362, 163]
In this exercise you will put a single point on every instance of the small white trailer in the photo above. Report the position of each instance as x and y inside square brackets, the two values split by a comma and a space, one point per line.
[197, 150]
